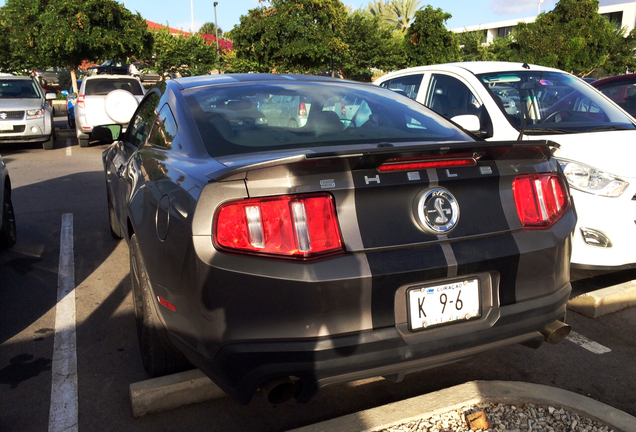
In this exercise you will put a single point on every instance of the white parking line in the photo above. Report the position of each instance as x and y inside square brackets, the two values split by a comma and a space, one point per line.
[589, 345]
[69, 149]
[63, 412]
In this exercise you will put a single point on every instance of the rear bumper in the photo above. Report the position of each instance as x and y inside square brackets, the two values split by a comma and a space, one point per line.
[241, 368]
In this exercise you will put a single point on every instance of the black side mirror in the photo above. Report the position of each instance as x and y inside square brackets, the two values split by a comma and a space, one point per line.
[106, 134]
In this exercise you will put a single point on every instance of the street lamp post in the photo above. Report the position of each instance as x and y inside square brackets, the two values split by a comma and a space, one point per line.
[216, 31]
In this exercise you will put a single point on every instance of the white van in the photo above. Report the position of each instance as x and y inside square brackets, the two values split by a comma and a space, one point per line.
[510, 101]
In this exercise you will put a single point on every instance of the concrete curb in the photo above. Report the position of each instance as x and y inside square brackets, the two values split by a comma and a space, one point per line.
[606, 300]
[172, 391]
[471, 393]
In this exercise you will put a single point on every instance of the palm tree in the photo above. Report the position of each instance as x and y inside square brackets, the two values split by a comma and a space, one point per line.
[399, 13]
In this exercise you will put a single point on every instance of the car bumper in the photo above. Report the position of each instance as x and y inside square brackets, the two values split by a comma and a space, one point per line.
[613, 219]
[245, 320]
[26, 131]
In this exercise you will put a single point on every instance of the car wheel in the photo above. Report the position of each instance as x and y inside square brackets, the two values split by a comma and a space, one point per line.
[157, 355]
[83, 142]
[50, 143]
[8, 231]
[115, 227]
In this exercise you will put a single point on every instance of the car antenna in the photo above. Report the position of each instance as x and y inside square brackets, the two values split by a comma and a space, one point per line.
[515, 48]
[523, 127]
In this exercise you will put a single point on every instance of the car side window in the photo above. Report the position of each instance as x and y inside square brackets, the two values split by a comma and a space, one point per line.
[142, 120]
[408, 86]
[164, 129]
[450, 97]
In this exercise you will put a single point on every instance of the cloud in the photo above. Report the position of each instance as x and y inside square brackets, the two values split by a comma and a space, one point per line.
[516, 7]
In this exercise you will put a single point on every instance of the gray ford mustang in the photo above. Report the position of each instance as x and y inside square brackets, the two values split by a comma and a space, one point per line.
[376, 238]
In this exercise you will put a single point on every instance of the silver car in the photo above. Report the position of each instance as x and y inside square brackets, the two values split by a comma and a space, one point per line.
[7, 219]
[105, 99]
[25, 113]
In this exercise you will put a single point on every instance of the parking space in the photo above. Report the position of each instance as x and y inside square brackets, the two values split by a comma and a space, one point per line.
[65, 187]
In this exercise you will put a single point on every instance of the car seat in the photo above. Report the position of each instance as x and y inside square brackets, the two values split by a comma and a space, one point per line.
[442, 105]
[324, 122]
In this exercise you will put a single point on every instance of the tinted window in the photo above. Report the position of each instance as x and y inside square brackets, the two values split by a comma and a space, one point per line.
[408, 85]
[99, 87]
[250, 117]
[553, 101]
[164, 130]
[143, 119]
[450, 97]
[623, 93]
[13, 89]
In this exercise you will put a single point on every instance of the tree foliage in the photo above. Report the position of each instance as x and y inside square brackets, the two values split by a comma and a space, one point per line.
[41, 33]
[372, 44]
[210, 28]
[427, 41]
[399, 13]
[291, 35]
[183, 55]
[573, 37]
[473, 46]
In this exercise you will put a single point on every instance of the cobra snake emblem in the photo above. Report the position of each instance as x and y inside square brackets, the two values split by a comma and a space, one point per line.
[441, 219]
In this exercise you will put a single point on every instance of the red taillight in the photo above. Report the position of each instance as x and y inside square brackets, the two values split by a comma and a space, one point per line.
[540, 199]
[80, 101]
[302, 109]
[295, 226]
[426, 162]
[343, 110]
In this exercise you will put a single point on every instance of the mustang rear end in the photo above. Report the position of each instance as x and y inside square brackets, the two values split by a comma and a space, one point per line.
[339, 267]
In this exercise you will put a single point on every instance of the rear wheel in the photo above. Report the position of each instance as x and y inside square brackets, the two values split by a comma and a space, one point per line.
[8, 231]
[157, 354]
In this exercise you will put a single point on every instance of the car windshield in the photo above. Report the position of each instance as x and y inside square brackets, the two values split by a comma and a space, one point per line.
[18, 89]
[101, 87]
[552, 102]
[252, 117]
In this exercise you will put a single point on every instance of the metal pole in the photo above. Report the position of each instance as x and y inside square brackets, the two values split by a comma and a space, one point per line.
[192, 16]
[216, 31]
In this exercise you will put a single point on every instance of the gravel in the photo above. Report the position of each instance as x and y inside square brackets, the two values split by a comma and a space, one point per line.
[503, 418]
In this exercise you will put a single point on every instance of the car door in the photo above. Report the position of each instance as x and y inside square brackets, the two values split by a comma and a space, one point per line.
[124, 165]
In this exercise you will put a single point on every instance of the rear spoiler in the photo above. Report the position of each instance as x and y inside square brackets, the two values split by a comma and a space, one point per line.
[383, 151]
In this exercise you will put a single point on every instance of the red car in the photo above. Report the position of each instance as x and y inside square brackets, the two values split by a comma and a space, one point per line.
[621, 89]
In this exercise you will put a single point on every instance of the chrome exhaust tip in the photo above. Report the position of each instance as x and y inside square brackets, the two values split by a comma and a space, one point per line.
[555, 332]
[279, 390]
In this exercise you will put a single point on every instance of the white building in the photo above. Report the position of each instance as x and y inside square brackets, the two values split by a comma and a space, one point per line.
[621, 13]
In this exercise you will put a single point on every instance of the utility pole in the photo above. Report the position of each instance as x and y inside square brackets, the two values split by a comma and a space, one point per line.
[216, 31]
[539, 7]
[192, 16]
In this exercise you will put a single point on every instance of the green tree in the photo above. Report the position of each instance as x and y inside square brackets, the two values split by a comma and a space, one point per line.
[427, 41]
[372, 44]
[183, 55]
[473, 46]
[44, 33]
[291, 35]
[399, 13]
[210, 28]
[573, 37]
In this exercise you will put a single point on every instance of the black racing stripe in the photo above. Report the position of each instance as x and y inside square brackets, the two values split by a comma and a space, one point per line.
[500, 254]
[393, 269]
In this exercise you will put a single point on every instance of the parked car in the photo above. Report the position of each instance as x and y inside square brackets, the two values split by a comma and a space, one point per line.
[143, 72]
[620, 89]
[596, 140]
[26, 115]
[285, 110]
[49, 78]
[7, 218]
[71, 100]
[110, 67]
[291, 258]
[105, 99]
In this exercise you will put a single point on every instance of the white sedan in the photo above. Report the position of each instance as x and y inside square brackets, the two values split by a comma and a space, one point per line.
[596, 136]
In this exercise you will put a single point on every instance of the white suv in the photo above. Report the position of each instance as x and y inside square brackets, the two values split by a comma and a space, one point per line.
[105, 99]
[25, 113]
[596, 138]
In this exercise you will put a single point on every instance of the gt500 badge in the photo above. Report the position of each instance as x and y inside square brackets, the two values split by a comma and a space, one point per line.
[437, 211]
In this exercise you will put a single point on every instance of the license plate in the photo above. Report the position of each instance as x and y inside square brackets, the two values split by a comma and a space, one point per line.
[6, 126]
[442, 304]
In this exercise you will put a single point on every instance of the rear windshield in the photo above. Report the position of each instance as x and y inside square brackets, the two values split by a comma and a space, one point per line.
[251, 117]
[99, 87]
[18, 89]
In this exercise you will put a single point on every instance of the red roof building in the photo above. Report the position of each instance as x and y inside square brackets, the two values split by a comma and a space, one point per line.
[224, 44]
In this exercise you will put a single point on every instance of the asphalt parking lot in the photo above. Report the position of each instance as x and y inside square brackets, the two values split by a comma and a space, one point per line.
[63, 189]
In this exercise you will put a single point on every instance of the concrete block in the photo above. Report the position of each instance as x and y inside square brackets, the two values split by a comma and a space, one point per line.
[604, 301]
[172, 391]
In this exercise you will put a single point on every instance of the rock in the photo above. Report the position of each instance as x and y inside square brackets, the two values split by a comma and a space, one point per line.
[477, 421]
